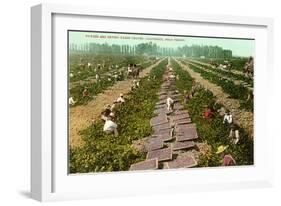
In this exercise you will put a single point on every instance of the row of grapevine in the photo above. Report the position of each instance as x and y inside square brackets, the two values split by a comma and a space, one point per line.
[224, 73]
[229, 87]
[84, 66]
[212, 131]
[102, 152]
[94, 87]
[237, 63]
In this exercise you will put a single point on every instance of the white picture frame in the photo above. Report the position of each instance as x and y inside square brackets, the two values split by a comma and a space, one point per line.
[49, 179]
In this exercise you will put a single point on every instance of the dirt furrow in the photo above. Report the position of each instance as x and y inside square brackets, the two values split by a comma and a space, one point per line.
[83, 115]
[243, 118]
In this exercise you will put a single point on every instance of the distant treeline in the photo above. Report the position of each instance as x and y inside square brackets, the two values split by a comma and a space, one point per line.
[152, 50]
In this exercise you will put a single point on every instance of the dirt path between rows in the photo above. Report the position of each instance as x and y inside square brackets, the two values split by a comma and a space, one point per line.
[80, 117]
[243, 118]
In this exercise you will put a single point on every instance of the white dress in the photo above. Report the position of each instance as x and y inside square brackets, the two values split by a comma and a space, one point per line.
[120, 100]
[227, 118]
[109, 126]
[71, 101]
[169, 103]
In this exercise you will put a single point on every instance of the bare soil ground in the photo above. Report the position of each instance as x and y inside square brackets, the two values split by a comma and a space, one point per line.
[80, 117]
[242, 118]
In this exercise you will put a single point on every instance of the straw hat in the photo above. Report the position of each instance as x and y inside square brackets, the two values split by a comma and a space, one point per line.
[221, 149]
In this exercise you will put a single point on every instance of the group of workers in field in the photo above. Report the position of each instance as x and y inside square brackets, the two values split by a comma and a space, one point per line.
[133, 71]
[208, 114]
[248, 68]
[111, 127]
[108, 114]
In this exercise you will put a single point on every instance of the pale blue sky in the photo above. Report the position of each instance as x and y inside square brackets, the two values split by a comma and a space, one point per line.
[239, 47]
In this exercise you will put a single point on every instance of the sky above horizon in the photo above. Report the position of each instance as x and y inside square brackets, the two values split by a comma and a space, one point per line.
[239, 47]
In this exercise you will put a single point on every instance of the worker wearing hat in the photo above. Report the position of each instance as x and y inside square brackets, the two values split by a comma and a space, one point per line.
[110, 127]
[85, 92]
[228, 160]
[228, 118]
[170, 104]
[106, 112]
[120, 99]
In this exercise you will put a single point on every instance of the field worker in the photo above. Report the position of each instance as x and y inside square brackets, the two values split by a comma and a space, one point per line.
[208, 114]
[136, 84]
[170, 104]
[234, 134]
[85, 92]
[71, 101]
[110, 127]
[194, 88]
[120, 99]
[106, 112]
[186, 97]
[115, 76]
[227, 118]
[97, 77]
[89, 65]
[129, 69]
[250, 95]
[98, 66]
[227, 159]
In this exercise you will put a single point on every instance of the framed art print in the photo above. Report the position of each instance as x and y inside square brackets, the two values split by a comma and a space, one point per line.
[134, 102]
